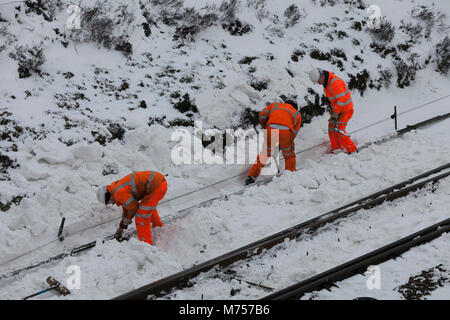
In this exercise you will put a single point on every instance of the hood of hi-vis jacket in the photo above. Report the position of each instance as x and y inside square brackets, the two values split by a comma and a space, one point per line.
[339, 95]
[281, 113]
[128, 191]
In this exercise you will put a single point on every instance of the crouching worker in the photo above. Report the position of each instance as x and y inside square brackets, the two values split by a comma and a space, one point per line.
[285, 118]
[138, 193]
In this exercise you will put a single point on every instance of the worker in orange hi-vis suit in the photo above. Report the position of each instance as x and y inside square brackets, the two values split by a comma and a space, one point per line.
[138, 193]
[284, 119]
[341, 109]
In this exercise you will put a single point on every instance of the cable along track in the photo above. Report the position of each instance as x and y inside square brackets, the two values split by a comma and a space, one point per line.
[184, 278]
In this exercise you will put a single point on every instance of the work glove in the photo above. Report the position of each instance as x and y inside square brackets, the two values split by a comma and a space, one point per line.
[124, 223]
[118, 234]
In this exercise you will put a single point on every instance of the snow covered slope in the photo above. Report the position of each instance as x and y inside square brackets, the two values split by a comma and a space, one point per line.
[81, 108]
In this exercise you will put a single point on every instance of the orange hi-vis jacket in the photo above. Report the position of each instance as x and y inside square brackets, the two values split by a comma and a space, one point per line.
[281, 113]
[134, 187]
[338, 94]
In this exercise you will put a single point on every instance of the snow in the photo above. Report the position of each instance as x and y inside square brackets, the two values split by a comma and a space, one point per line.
[60, 178]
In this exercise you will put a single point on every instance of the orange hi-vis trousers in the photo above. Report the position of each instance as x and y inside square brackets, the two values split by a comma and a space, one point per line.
[147, 215]
[286, 142]
[338, 136]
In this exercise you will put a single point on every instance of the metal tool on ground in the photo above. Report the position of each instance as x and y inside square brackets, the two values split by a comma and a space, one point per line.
[61, 227]
[54, 285]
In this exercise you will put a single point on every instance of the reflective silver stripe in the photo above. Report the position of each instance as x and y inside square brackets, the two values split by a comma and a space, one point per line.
[133, 185]
[121, 186]
[329, 86]
[341, 122]
[339, 95]
[288, 154]
[278, 126]
[150, 179]
[341, 132]
[147, 208]
[265, 110]
[130, 199]
[287, 149]
[145, 216]
[344, 103]
[295, 132]
[293, 114]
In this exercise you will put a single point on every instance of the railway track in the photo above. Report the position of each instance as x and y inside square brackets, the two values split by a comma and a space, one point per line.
[184, 278]
[205, 203]
[328, 279]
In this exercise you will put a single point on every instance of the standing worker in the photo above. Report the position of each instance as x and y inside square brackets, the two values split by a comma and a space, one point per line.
[285, 118]
[341, 108]
[138, 193]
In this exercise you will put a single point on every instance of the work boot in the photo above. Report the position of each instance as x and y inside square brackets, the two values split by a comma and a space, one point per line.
[249, 180]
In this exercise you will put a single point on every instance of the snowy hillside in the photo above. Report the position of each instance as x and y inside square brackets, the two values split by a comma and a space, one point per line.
[82, 108]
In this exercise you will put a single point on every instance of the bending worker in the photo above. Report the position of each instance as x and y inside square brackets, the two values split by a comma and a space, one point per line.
[285, 118]
[341, 109]
[138, 193]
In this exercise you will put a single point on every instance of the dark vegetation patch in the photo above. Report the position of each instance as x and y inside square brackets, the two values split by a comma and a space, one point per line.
[339, 34]
[172, 123]
[356, 25]
[292, 15]
[15, 200]
[423, 284]
[359, 81]
[237, 28]
[406, 70]
[442, 52]
[41, 7]
[247, 60]
[259, 85]
[69, 100]
[248, 118]
[106, 25]
[6, 163]
[10, 131]
[29, 59]
[143, 104]
[296, 54]
[68, 75]
[117, 132]
[110, 168]
[385, 33]
[149, 22]
[384, 80]
[186, 106]
[315, 106]
[413, 30]
[333, 57]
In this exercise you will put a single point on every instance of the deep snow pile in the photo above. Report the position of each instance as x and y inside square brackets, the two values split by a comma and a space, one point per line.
[83, 108]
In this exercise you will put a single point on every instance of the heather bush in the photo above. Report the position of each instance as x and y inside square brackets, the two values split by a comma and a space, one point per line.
[30, 60]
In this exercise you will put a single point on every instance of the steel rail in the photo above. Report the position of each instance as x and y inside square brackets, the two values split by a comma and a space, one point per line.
[186, 211]
[182, 279]
[329, 278]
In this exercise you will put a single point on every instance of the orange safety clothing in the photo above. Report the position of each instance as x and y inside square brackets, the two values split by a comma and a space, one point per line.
[341, 111]
[283, 114]
[278, 114]
[139, 193]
